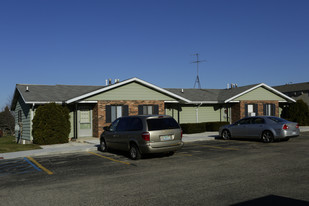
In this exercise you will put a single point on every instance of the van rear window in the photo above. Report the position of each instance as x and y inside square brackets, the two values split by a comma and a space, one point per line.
[162, 124]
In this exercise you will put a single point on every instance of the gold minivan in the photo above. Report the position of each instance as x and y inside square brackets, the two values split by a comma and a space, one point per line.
[142, 134]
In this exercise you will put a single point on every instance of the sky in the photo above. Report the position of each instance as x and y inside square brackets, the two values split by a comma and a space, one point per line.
[85, 42]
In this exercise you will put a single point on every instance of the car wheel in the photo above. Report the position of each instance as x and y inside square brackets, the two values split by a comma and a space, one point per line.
[226, 134]
[134, 152]
[267, 137]
[170, 153]
[103, 147]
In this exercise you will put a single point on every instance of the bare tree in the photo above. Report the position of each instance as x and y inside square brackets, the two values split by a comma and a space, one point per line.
[7, 121]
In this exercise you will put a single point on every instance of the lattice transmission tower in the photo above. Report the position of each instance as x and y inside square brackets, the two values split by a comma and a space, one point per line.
[197, 80]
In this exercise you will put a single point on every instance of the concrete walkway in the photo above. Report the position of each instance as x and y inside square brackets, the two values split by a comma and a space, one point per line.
[91, 144]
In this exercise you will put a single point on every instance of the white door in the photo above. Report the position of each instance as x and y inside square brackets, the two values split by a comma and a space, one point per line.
[85, 121]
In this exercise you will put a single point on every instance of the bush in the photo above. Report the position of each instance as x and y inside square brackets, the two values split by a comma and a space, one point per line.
[191, 128]
[214, 126]
[297, 112]
[51, 124]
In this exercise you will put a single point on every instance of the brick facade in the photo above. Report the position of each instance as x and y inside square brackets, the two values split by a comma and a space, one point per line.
[239, 110]
[99, 111]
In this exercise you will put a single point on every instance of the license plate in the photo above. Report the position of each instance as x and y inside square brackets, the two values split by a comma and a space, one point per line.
[166, 137]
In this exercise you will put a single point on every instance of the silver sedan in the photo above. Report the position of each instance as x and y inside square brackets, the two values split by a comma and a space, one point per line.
[266, 128]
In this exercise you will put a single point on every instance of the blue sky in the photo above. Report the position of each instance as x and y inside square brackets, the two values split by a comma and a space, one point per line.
[86, 42]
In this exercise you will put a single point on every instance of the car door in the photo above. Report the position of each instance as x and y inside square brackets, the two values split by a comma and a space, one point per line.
[111, 134]
[239, 129]
[256, 127]
[121, 136]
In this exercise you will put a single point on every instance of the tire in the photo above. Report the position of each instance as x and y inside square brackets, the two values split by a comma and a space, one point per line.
[103, 147]
[226, 134]
[170, 153]
[134, 152]
[267, 137]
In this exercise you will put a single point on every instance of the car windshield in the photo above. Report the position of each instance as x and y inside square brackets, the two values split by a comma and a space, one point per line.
[162, 123]
[276, 119]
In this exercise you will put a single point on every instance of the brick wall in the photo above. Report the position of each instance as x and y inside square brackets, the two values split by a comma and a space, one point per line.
[239, 110]
[99, 113]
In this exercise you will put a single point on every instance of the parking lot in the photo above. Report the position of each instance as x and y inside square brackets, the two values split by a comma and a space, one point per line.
[213, 172]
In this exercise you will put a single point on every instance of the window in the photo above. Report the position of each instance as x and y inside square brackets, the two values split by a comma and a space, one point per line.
[269, 109]
[162, 124]
[251, 110]
[148, 109]
[258, 121]
[19, 116]
[244, 121]
[115, 111]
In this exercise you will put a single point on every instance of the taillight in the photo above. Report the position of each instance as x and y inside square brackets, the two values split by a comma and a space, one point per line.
[285, 127]
[297, 126]
[146, 136]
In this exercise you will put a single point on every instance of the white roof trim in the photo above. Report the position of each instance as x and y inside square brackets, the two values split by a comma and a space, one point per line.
[257, 86]
[123, 83]
[203, 102]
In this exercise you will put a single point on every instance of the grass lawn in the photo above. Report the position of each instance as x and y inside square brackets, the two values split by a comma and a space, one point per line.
[8, 144]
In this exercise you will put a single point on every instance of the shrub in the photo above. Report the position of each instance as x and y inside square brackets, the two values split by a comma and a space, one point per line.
[191, 128]
[214, 126]
[51, 124]
[297, 112]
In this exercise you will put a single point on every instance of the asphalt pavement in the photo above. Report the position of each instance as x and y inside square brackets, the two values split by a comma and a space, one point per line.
[91, 144]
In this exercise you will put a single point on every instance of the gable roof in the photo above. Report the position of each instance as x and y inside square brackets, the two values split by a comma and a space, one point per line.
[41, 94]
[293, 87]
[147, 84]
[222, 95]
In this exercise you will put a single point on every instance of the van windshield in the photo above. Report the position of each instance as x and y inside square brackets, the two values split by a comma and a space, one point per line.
[162, 123]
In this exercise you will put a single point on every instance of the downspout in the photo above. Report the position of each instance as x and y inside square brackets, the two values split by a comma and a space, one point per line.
[196, 110]
[75, 123]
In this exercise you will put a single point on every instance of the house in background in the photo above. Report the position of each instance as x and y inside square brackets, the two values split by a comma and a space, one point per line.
[93, 107]
[295, 91]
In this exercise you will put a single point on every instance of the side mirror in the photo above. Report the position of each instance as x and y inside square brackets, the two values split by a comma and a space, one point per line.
[106, 128]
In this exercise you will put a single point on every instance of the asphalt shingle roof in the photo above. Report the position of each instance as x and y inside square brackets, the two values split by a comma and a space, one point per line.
[293, 87]
[210, 94]
[53, 93]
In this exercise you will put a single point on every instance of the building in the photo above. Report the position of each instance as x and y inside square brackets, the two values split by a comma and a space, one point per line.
[295, 91]
[93, 107]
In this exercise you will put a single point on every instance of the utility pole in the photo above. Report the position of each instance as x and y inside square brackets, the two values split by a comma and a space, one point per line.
[197, 80]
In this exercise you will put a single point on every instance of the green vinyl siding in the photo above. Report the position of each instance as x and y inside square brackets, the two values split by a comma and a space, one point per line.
[132, 91]
[210, 114]
[172, 110]
[260, 94]
[26, 119]
[189, 113]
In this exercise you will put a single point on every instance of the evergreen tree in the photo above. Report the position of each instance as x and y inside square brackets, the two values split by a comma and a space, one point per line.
[51, 124]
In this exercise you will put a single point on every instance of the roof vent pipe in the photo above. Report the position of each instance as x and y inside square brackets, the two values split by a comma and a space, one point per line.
[106, 82]
[109, 81]
[181, 90]
[27, 89]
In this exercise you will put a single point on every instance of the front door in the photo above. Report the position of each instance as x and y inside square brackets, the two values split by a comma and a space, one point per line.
[85, 121]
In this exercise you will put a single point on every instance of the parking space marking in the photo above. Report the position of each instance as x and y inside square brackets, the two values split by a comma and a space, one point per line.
[114, 160]
[16, 166]
[40, 166]
[216, 147]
